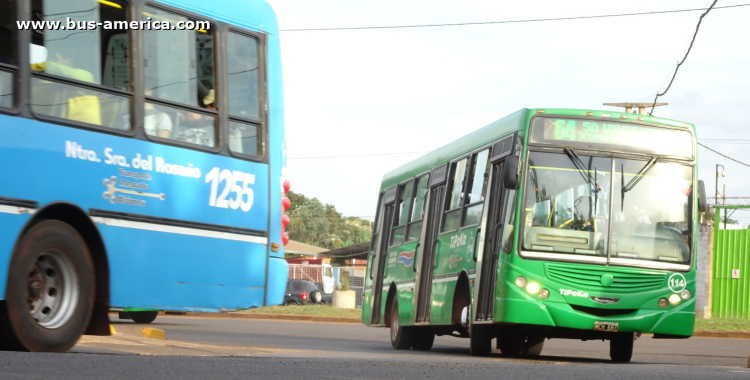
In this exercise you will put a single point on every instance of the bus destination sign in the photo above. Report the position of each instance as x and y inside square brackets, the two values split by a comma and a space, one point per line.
[592, 133]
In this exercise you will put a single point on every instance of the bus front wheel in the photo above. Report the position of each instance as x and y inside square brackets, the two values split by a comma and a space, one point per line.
[50, 294]
[621, 347]
[480, 341]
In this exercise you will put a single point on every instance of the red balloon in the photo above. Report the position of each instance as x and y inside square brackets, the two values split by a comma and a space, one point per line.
[285, 220]
[286, 203]
[284, 238]
[287, 186]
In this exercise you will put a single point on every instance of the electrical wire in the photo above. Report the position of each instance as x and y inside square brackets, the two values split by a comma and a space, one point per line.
[725, 156]
[514, 21]
[684, 58]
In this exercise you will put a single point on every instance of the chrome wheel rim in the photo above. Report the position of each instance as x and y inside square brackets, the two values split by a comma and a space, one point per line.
[52, 289]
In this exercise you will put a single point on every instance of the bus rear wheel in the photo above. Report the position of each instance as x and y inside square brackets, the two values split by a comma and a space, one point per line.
[423, 339]
[402, 337]
[143, 316]
[50, 296]
[621, 347]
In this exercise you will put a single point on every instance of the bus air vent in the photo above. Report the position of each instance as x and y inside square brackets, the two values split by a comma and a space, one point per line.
[502, 148]
[589, 276]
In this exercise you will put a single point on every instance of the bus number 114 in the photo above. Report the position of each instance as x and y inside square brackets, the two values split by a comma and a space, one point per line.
[237, 183]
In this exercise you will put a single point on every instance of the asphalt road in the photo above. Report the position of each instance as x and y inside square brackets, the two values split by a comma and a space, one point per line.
[198, 348]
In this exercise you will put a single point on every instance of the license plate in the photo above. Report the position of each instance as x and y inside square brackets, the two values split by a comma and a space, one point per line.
[606, 326]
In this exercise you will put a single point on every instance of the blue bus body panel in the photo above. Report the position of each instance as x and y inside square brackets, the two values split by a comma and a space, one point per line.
[10, 225]
[45, 161]
[196, 272]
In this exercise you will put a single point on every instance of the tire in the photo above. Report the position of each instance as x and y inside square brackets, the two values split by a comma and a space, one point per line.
[511, 344]
[480, 341]
[51, 273]
[316, 296]
[143, 316]
[621, 347]
[423, 339]
[290, 303]
[533, 346]
[402, 338]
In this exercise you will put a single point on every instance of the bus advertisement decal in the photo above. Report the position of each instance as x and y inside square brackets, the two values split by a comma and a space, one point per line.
[406, 258]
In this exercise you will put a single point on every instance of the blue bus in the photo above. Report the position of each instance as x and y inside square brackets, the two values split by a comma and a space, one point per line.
[142, 163]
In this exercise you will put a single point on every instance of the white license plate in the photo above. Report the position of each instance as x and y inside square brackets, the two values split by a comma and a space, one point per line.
[606, 326]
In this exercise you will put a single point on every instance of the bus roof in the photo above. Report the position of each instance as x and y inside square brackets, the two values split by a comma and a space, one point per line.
[517, 121]
[255, 15]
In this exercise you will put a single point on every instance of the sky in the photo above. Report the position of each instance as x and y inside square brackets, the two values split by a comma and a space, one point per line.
[360, 103]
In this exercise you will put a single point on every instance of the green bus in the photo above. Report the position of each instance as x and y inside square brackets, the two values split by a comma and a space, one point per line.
[548, 223]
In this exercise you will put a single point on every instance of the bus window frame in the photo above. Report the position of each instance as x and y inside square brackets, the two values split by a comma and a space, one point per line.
[25, 50]
[466, 194]
[449, 183]
[262, 122]
[219, 74]
[400, 192]
[14, 70]
[411, 206]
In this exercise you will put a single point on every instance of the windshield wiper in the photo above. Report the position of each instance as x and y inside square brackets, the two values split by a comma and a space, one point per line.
[581, 167]
[634, 181]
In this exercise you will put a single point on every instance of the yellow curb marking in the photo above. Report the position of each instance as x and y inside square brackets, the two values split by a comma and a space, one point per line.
[112, 330]
[152, 333]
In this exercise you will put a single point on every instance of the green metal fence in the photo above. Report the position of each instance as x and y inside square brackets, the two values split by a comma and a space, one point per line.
[730, 293]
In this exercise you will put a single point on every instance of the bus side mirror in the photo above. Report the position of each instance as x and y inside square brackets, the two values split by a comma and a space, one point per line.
[510, 173]
[702, 203]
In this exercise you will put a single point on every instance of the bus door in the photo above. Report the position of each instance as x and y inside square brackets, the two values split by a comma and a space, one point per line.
[487, 258]
[381, 253]
[428, 240]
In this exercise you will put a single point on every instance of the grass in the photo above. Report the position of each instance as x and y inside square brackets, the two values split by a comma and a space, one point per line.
[721, 324]
[307, 310]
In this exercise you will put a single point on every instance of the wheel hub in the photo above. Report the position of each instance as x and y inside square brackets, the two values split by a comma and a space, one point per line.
[52, 289]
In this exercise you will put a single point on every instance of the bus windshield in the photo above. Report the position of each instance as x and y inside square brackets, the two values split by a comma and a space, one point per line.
[567, 201]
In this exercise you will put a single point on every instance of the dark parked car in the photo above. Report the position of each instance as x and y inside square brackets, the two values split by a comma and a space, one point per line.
[302, 292]
[327, 298]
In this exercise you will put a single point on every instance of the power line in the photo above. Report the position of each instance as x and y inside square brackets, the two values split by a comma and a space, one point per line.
[725, 156]
[355, 156]
[684, 58]
[514, 21]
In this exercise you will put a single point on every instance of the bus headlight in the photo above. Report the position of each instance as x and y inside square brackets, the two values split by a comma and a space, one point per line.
[674, 299]
[685, 294]
[532, 288]
[521, 281]
[663, 303]
[543, 294]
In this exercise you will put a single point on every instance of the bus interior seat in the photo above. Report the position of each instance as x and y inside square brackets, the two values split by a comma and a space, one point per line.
[47, 98]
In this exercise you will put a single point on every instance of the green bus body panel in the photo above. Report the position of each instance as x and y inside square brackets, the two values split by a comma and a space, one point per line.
[637, 307]
[730, 297]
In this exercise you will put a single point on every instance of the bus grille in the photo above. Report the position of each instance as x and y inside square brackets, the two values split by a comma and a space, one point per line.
[590, 276]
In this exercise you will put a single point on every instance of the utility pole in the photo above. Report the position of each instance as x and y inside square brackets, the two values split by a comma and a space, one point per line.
[641, 106]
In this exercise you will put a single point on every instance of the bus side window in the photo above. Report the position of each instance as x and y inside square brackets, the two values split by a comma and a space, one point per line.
[179, 68]
[245, 132]
[7, 50]
[97, 56]
[403, 204]
[455, 195]
[477, 187]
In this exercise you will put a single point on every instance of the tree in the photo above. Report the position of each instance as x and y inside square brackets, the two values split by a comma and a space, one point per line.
[313, 223]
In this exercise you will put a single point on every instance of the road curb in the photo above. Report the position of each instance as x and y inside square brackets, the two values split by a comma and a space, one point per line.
[240, 315]
[303, 318]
